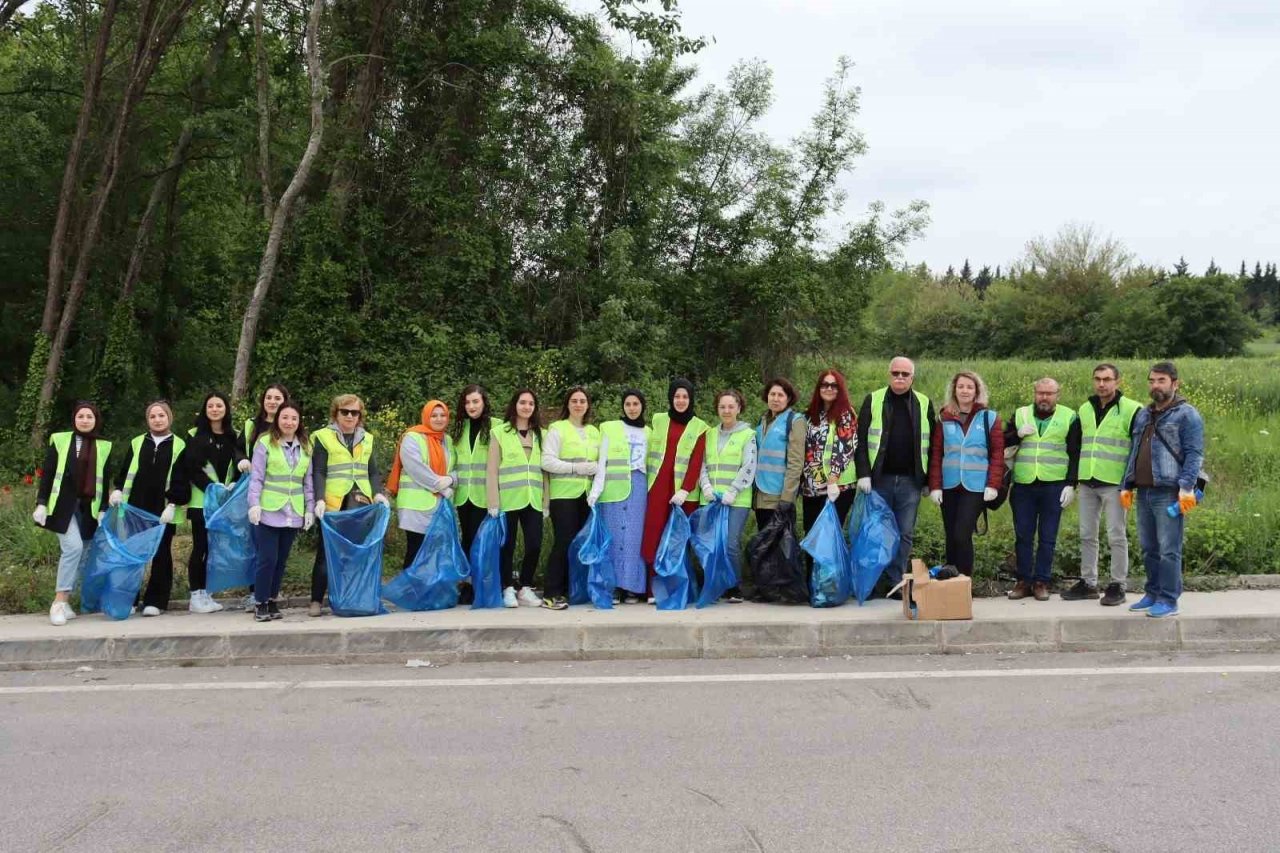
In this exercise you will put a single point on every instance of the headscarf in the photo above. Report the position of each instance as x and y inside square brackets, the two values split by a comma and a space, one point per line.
[86, 461]
[644, 404]
[687, 415]
[436, 458]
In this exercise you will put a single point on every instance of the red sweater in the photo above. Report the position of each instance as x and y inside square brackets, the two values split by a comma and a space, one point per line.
[995, 450]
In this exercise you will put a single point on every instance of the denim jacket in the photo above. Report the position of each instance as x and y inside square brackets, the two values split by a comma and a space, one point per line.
[1182, 429]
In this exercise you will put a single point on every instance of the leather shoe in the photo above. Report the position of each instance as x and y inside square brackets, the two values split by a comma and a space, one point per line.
[1040, 590]
[1020, 590]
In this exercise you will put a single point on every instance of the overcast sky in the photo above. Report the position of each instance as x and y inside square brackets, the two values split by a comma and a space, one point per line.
[1159, 122]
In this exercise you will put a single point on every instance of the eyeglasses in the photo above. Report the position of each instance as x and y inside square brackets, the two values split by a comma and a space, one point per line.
[900, 374]
[349, 413]
[828, 386]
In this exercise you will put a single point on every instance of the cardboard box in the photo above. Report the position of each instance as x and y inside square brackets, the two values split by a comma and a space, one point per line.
[926, 598]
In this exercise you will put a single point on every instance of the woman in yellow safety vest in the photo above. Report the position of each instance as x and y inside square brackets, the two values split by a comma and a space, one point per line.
[728, 470]
[281, 501]
[214, 454]
[422, 475]
[620, 490]
[73, 482]
[569, 457]
[154, 478]
[516, 485]
[470, 433]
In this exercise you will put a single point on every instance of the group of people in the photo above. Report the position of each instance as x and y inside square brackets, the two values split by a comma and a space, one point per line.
[634, 470]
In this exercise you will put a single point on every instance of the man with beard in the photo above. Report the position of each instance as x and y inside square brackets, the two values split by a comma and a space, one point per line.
[1047, 438]
[1164, 467]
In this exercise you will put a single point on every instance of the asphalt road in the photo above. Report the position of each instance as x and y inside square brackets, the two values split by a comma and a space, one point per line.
[930, 753]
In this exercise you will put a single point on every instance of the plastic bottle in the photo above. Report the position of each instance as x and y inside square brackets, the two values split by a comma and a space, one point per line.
[1175, 509]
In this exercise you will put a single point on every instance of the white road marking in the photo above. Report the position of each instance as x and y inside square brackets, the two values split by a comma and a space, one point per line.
[617, 680]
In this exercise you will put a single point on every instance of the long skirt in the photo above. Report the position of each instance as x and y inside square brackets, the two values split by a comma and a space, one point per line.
[625, 521]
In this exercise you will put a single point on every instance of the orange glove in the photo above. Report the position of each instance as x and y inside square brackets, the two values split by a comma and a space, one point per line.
[1126, 499]
[1187, 501]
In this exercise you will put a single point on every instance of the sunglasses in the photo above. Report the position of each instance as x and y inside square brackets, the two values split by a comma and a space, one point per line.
[900, 374]
[828, 386]
[349, 413]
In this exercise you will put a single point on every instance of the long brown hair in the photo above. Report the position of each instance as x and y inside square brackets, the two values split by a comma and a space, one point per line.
[301, 434]
[535, 420]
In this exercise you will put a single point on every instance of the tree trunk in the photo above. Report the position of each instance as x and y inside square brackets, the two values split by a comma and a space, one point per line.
[359, 119]
[8, 9]
[271, 254]
[264, 112]
[153, 40]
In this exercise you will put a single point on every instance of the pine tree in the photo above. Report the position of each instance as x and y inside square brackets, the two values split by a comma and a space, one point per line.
[983, 281]
[966, 272]
[1181, 267]
[1213, 268]
[1244, 271]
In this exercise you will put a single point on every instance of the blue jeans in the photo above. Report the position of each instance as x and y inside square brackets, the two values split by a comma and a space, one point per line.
[902, 494]
[273, 544]
[1161, 540]
[1036, 505]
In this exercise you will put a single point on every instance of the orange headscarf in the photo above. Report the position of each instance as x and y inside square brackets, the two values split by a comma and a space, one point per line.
[436, 458]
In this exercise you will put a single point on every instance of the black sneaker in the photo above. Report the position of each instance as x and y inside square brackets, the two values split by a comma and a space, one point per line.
[261, 613]
[1079, 591]
[273, 610]
[1114, 595]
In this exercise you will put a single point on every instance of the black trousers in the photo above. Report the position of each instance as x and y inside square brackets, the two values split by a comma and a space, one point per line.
[160, 584]
[960, 511]
[412, 542]
[568, 515]
[198, 562]
[528, 520]
[813, 507]
[469, 518]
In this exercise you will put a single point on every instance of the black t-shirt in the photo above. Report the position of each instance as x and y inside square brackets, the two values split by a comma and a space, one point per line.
[902, 445]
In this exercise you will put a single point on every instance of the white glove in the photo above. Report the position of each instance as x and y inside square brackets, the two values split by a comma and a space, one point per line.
[243, 465]
[1027, 430]
[308, 521]
[319, 509]
[381, 499]
[166, 517]
[833, 491]
[445, 482]
[729, 496]
[591, 500]
[41, 515]
[546, 512]
[493, 512]
[1068, 495]
[708, 494]
[988, 495]
[864, 485]
[936, 496]
[448, 494]
[117, 498]
[679, 497]
[255, 514]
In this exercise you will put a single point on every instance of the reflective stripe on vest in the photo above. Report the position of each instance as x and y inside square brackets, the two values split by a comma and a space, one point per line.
[574, 448]
[684, 447]
[876, 427]
[178, 446]
[345, 468]
[964, 453]
[723, 465]
[284, 484]
[519, 476]
[771, 453]
[1043, 457]
[62, 445]
[617, 466]
[1104, 448]
[470, 467]
[411, 495]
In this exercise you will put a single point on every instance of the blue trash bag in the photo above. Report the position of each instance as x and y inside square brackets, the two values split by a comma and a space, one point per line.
[486, 578]
[709, 533]
[353, 540]
[832, 580]
[873, 542]
[673, 583]
[589, 556]
[233, 558]
[431, 580]
[579, 572]
[124, 543]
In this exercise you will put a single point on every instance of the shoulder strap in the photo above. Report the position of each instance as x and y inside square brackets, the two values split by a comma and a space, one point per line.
[1155, 430]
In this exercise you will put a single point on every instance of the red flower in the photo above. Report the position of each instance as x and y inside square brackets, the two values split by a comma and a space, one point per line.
[8, 489]
[27, 479]
[39, 472]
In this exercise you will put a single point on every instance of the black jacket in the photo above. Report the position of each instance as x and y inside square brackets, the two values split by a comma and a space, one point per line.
[861, 455]
[60, 515]
[150, 490]
[203, 449]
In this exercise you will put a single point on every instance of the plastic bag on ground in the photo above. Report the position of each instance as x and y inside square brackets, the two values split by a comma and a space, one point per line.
[580, 572]
[486, 578]
[353, 541]
[832, 579]
[589, 556]
[776, 562]
[873, 542]
[124, 543]
[233, 558]
[431, 580]
[709, 533]
[673, 584]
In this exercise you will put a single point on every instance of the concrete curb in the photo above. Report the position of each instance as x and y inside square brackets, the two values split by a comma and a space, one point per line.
[356, 641]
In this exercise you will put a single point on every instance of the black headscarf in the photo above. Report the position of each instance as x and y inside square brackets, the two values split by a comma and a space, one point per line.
[644, 404]
[687, 415]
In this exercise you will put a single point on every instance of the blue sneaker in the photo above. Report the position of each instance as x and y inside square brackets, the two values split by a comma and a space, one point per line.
[1143, 603]
[1161, 609]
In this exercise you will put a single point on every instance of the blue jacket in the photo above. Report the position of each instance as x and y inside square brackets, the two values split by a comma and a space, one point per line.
[1182, 429]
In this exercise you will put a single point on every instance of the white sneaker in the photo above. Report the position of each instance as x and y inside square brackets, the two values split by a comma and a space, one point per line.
[57, 616]
[202, 602]
[68, 612]
[528, 598]
[150, 611]
[509, 597]
[248, 604]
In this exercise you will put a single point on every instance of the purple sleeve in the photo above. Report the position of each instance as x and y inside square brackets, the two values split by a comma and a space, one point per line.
[258, 473]
[308, 492]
